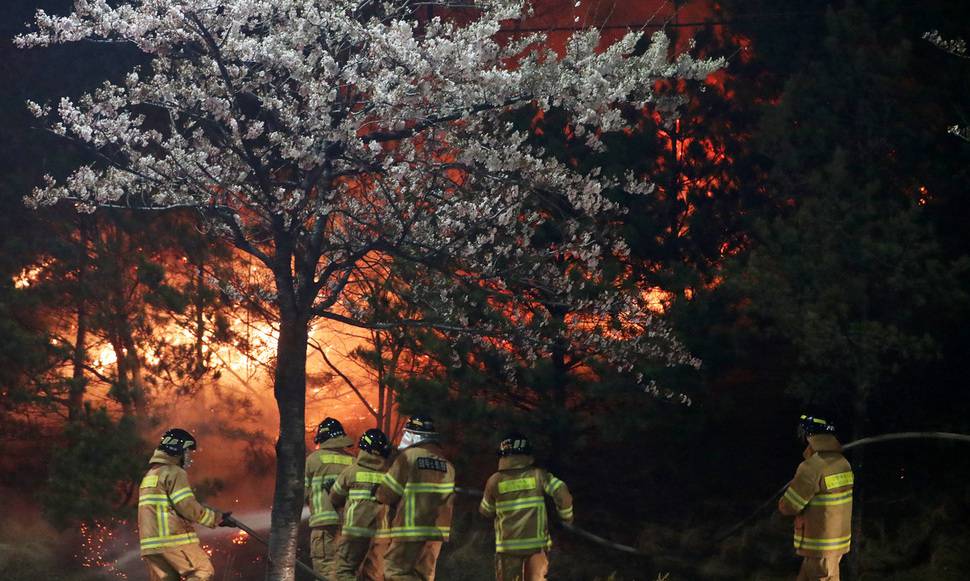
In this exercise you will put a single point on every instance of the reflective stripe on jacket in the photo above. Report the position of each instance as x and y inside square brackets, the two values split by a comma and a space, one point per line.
[356, 486]
[420, 486]
[515, 498]
[323, 466]
[167, 507]
[820, 497]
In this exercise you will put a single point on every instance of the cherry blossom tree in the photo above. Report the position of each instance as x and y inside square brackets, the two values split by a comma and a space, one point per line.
[318, 136]
[958, 48]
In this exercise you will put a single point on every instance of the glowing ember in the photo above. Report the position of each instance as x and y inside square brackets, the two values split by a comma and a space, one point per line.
[241, 538]
[97, 540]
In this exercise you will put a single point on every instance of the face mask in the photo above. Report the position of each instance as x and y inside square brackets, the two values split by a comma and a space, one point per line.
[187, 459]
[407, 440]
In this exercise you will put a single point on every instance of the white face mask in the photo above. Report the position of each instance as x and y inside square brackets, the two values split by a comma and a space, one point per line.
[408, 439]
[187, 458]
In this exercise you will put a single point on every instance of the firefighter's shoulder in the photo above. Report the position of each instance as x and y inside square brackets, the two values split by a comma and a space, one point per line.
[813, 465]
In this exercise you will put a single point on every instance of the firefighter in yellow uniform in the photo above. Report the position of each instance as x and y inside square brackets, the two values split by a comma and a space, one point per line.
[360, 553]
[323, 465]
[820, 499]
[420, 488]
[167, 509]
[515, 498]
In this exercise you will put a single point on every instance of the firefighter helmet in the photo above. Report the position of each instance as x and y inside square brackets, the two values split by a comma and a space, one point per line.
[515, 443]
[176, 441]
[375, 442]
[328, 428]
[420, 425]
[809, 425]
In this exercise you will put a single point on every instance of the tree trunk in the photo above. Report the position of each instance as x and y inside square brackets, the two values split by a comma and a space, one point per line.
[200, 360]
[75, 398]
[288, 499]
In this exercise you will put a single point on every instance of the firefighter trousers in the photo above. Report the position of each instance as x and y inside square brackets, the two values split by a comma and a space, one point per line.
[360, 559]
[411, 560]
[512, 567]
[819, 569]
[323, 549]
[188, 562]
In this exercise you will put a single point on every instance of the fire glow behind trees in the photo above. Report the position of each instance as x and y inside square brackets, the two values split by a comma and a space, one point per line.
[317, 136]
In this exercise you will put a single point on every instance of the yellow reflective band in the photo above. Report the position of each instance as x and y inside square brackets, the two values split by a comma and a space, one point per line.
[796, 500]
[181, 494]
[430, 487]
[520, 503]
[566, 513]
[522, 544]
[831, 499]
[150, 481]
[413, 532]
[488, 505]
[369, 477]
[338, 489]
[358, 494]
[393, 484]
[553, 485]
[832, 544]
[839, 480]
[358, 532]
[337, 459]
[516, 485]
[166, 541]
[152, 499]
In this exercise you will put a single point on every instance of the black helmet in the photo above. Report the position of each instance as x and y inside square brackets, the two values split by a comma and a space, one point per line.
[812, 425]
[328, 428]
[515, 443]
[375, 442]
[420, 425]
[176, 441]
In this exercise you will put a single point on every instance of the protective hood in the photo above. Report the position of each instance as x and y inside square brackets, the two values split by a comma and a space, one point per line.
[515, 462]
[160, 457]
[824, 443]
[372, 461]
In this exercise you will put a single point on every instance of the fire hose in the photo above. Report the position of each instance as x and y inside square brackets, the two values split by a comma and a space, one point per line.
[594, 538]
[299, 564]
[849, 446]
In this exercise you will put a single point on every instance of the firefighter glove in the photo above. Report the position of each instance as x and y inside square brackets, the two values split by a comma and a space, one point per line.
[227, 520]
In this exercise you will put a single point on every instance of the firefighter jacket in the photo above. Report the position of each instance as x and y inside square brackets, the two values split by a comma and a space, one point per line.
[167, 507]
[515, 498]
[322, 468]
[420, 486]
[820, 498]
[356, 486]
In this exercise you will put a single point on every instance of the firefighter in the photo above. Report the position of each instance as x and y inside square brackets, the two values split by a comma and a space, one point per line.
[360, 553]
[420, 488]
[323, 465]
[167, 509]
[820, 499]
[515, 498]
